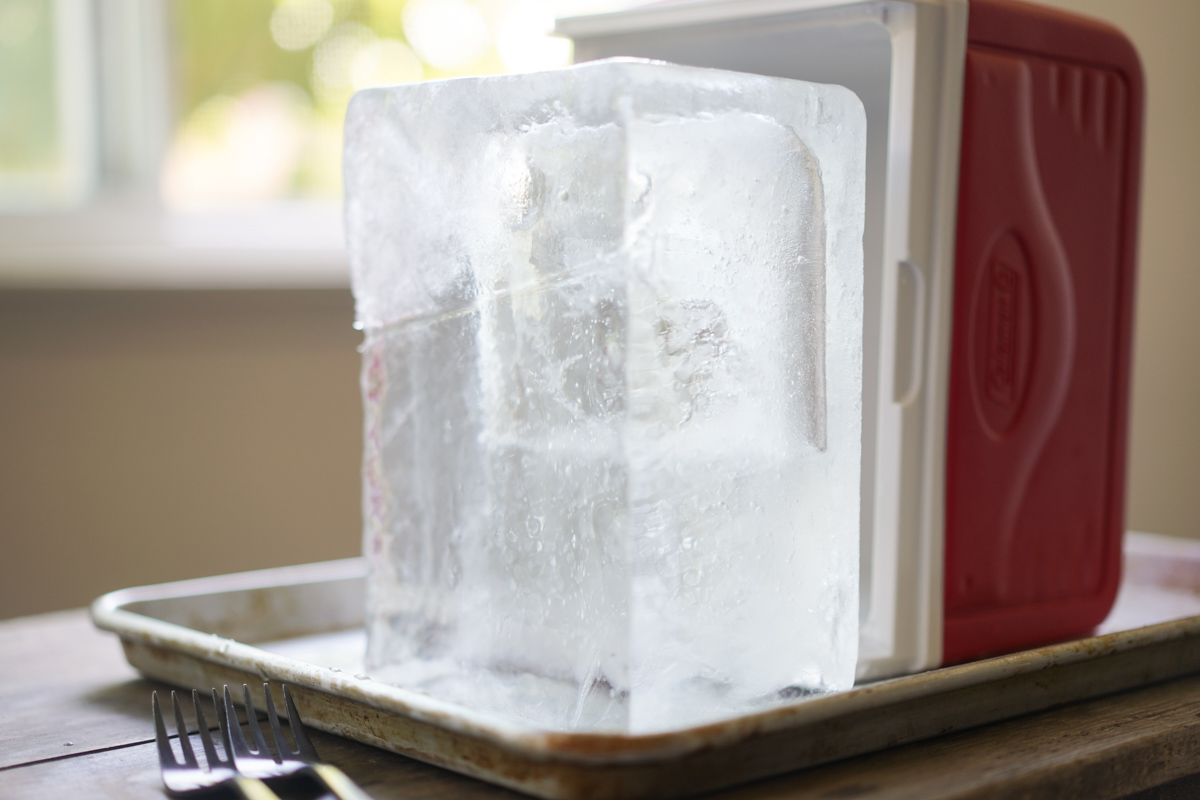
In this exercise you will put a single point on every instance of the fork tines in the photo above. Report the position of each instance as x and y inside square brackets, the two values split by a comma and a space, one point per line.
[166, 757]
[303, 746]
[287, 760]
[189, 776]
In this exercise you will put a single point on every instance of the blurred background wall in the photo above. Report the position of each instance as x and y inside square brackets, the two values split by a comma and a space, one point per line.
[151, 434]
[148, 436]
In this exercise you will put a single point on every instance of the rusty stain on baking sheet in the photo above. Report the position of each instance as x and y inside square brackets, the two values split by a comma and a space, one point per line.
[325, 598]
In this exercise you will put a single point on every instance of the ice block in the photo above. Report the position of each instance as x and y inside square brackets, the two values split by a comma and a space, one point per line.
[612, 389]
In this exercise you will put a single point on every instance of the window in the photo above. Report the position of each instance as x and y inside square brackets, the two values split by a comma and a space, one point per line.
[198, 142]
[46, 104]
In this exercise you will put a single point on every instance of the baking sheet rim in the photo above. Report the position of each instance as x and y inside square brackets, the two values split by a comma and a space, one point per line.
[110, 612]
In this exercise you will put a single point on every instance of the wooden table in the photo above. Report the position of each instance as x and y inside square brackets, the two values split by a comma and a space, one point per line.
[75, 722]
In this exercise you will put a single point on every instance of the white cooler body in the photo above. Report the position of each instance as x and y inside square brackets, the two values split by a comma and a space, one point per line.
[904, 59]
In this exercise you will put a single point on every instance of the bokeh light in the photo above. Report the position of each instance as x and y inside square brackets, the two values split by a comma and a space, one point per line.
[524, 39]
[450, 35]
[384, 62]
[236, 151]
[297, 24]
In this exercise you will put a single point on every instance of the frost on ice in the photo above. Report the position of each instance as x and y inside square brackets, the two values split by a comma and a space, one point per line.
[612, 384]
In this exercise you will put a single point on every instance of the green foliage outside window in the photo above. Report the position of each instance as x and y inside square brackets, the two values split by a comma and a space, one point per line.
[262, 85]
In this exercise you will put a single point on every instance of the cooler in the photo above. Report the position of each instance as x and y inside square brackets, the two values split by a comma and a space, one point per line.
[1003, 163]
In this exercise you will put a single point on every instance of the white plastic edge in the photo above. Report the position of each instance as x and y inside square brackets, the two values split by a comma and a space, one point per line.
[938, 335]
[902, 632]
[909, 534]
[695, 12]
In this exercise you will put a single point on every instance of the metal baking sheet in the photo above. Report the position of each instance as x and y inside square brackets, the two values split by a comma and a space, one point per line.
[303, 626]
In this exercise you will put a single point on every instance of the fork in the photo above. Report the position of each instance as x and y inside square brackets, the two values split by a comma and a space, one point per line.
[258, 761]
[190, 777]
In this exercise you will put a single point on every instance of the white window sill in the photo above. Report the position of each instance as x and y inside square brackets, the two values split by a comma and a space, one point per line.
[114, 245]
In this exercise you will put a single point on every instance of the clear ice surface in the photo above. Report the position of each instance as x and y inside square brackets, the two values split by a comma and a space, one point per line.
[612, 389]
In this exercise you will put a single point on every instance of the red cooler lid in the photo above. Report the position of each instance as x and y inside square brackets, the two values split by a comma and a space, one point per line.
[1043, 304]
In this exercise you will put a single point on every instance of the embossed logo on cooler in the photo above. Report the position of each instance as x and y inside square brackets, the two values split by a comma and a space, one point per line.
[1003, 309]
[1002, 335]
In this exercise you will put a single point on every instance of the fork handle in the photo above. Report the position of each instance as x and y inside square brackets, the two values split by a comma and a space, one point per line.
[336, 781]
[251, 788]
